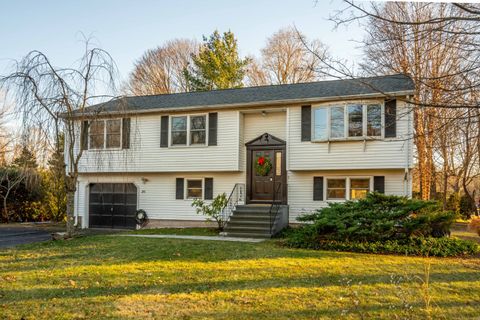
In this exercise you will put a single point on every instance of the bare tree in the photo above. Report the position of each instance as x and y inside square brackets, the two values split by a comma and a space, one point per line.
[438, 46]
[55, 99]
[161, 70]
[285, 59]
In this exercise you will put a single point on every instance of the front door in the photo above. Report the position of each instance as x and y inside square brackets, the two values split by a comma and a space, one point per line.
[262, 181]
[266, 170]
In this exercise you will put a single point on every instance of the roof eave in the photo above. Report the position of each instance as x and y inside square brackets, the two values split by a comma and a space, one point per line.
[250, 104]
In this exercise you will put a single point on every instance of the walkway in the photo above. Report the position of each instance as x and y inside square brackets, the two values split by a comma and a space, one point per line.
[210, 238]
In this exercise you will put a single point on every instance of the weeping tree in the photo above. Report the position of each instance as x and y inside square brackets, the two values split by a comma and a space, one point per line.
[54, 99]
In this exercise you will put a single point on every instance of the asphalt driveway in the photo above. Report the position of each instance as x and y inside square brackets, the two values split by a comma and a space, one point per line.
[12, 236]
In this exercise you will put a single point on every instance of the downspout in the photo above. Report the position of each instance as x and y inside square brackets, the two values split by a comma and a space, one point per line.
[407, 162]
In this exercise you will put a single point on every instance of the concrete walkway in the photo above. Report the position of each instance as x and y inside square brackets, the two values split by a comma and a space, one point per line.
[210, 238]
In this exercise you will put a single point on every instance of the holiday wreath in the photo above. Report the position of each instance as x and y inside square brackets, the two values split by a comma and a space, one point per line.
[263, 166]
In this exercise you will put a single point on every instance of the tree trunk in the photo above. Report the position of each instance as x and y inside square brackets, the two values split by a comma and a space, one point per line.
[71, 189]
[5, 209]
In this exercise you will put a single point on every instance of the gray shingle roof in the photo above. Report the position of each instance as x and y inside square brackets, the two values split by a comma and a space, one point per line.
[273, 94]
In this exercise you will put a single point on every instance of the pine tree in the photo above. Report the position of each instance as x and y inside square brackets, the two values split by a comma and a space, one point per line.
[217, 65]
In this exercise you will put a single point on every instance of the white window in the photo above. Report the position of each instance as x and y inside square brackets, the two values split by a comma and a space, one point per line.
[113, 133]
[355, 120]
[359, 187]
[336, 189]
[194, 189]
[374, 120]
[351, 121]
[179, 131]
[188, 130]
[105, 134]
[320, 124]
[337, 122]
[198, 129]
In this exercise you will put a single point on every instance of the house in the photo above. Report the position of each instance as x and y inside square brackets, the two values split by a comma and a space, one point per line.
[295, 146]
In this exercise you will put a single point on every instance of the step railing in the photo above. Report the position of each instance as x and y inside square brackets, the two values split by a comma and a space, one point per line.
[274, 208]
[237, 196]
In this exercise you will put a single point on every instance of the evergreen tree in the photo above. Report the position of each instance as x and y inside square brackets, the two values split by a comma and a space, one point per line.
[26, 159]
[217, 65]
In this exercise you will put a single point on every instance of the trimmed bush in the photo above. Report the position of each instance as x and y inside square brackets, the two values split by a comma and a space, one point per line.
[381, 224]
[417, 246]
[379, 217]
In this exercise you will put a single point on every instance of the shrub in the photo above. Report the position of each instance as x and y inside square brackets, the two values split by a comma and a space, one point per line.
[380, 224]
[213, 210]
[418, 246]
[379, 217]
[474, 225]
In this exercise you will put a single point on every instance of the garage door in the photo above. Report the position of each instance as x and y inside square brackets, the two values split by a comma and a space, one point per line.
[112, 205]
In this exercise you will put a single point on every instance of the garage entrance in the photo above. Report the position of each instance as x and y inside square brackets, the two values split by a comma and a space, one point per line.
[112, 205]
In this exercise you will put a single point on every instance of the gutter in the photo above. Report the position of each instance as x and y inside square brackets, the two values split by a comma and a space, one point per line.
[237, 105]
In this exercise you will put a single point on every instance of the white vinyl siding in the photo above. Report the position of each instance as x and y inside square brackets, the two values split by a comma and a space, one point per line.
[157, 195]
[145, 154]
[300, 187]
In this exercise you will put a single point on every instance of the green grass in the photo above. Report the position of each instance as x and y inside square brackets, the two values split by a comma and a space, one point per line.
[180, 231]
[114, 277]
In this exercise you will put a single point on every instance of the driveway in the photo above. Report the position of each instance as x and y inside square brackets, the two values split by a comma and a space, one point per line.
[15, 235]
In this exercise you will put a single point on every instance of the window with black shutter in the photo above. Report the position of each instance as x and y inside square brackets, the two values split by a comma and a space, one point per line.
[318, 188]
[125, 133]
[379, 184]
[212, 128]
[306, 123]
[84, 136]
[391, 118]
[208, 195]
[164, 132]
[179, 192]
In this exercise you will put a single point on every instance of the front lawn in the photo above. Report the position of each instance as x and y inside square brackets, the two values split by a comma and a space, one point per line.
[102, 276]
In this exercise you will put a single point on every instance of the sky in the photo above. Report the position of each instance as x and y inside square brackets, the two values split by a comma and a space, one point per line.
[127, 28]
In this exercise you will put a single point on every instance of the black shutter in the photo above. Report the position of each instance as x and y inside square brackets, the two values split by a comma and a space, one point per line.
[212, 128]
[208, 189]
[306, 123]
[84, 136]
[379, 184]
[126, 133]
[164, 132]
[179, 189]
[318, 188]
[391, 118]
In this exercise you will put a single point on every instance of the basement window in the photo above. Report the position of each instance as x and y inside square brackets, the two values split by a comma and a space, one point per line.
[194, 189]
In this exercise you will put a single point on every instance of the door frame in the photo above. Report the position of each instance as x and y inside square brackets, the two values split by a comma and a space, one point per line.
[266, 142]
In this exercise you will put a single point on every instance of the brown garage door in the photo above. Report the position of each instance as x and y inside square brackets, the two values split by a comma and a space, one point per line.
[112, 205]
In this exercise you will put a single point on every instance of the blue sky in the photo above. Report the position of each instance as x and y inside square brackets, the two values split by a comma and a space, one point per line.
[127, 28]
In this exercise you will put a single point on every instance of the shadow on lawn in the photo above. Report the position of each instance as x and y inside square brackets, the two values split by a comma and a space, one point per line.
[102, 288]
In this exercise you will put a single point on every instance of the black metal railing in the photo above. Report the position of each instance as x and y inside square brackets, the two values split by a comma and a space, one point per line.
[274, 208]
[236, 196]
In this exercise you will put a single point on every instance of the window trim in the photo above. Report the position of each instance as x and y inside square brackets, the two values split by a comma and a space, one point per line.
[188, 144]
[326, 188]
[186, 188]
[105, 135]
[347, 186]
[345, 106]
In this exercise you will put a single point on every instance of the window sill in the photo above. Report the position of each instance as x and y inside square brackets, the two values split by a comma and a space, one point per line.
[188, 147]
[358, 139]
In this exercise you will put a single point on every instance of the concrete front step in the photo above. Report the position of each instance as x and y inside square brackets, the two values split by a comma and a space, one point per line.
[247, 235]
[256, 209]
[251, 223]
[250, 217]
[248, 229]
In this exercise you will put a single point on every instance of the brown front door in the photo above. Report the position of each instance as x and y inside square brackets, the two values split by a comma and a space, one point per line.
[262, 185]
[265, 184]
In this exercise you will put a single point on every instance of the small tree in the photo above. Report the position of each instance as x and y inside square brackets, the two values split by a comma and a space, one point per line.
[212, 211]
[217, 65]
